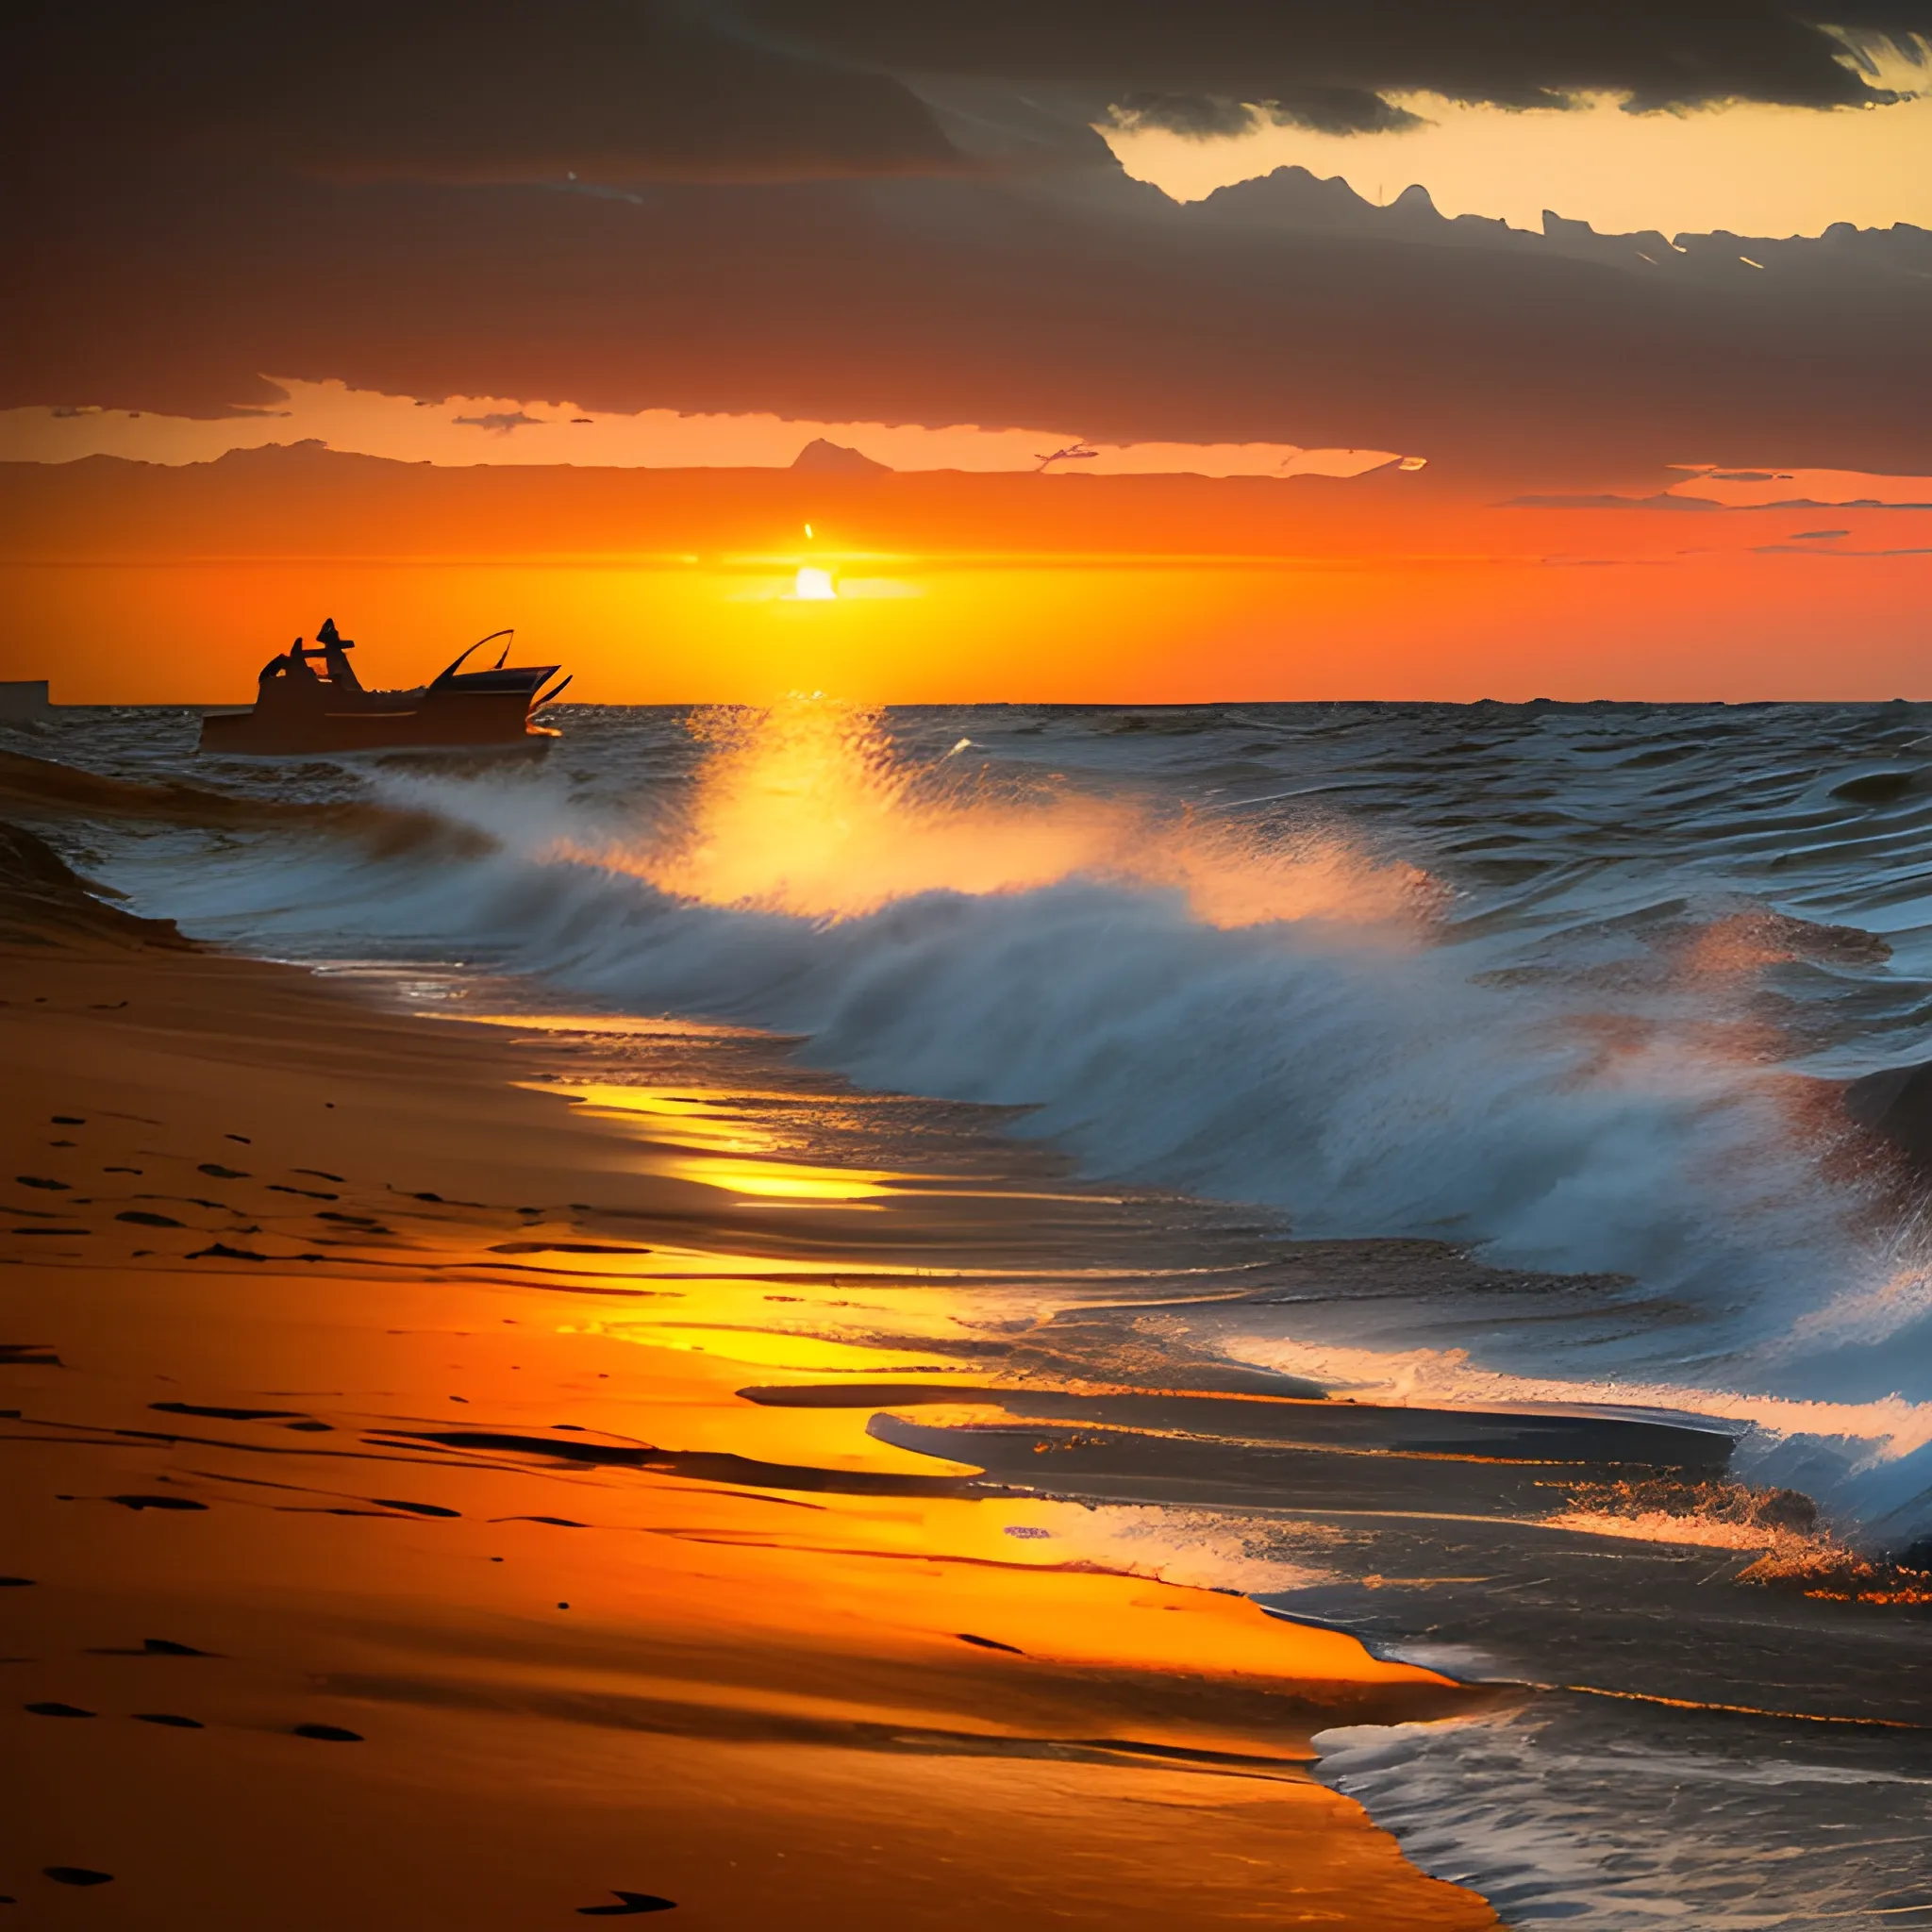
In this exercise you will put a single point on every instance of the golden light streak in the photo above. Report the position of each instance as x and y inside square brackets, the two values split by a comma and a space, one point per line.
[807, 809]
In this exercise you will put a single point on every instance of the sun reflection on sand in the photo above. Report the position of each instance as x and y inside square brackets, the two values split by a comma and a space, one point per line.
[717, 1128]
[769, 1347]
[720, 1124]
[716, 1120]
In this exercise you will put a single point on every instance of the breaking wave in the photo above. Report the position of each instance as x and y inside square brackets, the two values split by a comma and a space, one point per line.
[1332, 1023]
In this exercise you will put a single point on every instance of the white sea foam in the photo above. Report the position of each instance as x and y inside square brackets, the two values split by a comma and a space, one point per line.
[1276, 1022]
[1551, 1818]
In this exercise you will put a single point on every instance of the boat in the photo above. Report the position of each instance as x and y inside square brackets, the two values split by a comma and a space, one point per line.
[300, 710]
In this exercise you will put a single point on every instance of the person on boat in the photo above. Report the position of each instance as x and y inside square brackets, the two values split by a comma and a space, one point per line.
[285, 668]
[334, 654]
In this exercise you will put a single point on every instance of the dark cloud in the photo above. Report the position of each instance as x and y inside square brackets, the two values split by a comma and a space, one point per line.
[1204, 117]
[1519, 53]
[843, 209]
[497, 90]
[1200, 117]
[1110, 314]
[1339, 110]
[630, 91]
[499, 422]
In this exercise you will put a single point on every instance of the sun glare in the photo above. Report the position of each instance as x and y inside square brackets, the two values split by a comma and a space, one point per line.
[813, 585]
[809, 808]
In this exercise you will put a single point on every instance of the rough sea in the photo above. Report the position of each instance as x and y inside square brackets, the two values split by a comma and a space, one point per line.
[1556, 1002]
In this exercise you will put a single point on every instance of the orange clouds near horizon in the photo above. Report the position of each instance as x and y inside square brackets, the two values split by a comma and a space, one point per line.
[463, 430]
[125, 583]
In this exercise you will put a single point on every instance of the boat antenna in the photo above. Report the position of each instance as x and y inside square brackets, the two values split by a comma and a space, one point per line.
[503, 656]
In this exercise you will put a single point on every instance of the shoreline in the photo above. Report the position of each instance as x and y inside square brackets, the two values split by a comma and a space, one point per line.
[358, 1400]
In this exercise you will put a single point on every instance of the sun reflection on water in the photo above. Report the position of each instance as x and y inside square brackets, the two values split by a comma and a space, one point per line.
[809, 808]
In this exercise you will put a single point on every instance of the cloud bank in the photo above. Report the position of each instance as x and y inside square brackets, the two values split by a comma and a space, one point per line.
[854, 212]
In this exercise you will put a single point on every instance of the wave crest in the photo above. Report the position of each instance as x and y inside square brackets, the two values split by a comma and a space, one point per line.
[808, 809]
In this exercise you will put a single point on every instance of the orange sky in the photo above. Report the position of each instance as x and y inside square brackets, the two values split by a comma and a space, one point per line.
[507, 429]
[123, 582]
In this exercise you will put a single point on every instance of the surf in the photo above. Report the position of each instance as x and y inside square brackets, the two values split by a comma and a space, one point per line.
[1304, 1012]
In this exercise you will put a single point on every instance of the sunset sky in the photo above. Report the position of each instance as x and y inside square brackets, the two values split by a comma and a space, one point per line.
[1373, 425]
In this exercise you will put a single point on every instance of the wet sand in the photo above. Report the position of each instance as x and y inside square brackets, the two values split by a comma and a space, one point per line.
[387, 1541]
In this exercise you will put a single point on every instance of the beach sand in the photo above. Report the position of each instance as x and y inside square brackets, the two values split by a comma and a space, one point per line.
[386, 1542]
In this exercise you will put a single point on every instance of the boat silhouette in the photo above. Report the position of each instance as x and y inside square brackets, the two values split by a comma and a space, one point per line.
[299, 710]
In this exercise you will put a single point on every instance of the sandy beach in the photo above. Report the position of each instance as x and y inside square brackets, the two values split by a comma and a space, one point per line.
[387, 1541]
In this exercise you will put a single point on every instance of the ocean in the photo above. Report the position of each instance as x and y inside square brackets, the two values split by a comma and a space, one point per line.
[1472, 1062]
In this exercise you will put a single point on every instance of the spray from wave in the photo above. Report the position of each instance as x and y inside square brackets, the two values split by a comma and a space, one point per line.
[1187, 1002]
[809, 809]
[1289, 1020]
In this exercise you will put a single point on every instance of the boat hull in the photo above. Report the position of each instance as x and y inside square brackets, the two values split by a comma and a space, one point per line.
[431, 720]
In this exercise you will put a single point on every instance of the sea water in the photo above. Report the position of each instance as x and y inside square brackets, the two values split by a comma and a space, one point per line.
[1572, 989]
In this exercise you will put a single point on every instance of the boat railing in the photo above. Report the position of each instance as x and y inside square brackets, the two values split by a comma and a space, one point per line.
[445, 676]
